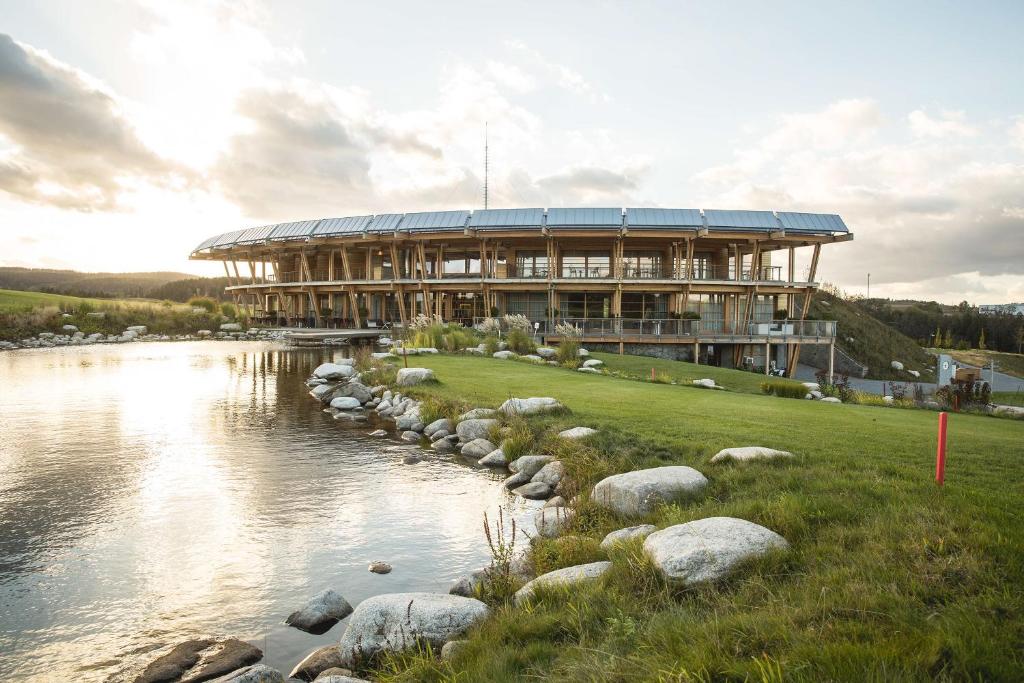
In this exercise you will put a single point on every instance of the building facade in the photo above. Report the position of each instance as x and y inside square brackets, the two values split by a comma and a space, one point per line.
[719, 287]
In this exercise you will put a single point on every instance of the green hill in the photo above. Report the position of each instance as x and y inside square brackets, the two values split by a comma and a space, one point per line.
[870, 341]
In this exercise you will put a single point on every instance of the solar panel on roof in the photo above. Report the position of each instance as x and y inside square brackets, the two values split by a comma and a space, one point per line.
[584, 218]
[207, 243]
[228, 239]
[506, 218]
[349, 225]
[435, 220]
[293, 231]
[385, 222]
[254, 235]
[664, 218]
[741, 220]
[812, 222]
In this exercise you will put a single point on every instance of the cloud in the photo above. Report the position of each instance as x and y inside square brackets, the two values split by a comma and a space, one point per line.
[948, 124]
[921, 208]
[1017, 132]
[589, 185]
[69, 144]
[559, 74]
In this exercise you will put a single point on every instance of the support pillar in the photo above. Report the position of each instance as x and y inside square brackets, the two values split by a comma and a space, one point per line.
[831, 361]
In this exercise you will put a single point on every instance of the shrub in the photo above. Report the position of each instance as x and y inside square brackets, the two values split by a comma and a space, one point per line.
[569, 346]
[499, 585]
[363, 358]
[520, 341]
[229, 310]
[434, 408]
[516, 321]
[456, 338]
[783, 389]
[517, 438]
[203, 302]
[490, 345]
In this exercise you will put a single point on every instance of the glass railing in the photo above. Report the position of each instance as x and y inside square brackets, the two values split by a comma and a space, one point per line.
[673, 327]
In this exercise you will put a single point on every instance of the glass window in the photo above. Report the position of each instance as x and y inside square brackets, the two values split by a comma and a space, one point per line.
[585, 305]
[643, 305]
[579, 264]
[640, 264]
[531, 264]
[531, 304]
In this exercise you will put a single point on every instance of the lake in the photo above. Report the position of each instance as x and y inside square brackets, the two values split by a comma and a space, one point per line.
[150, 493]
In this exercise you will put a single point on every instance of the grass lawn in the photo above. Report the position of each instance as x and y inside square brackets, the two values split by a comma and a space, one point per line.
[683, 373]
[1009, 363]
[1008, 398]
[889, 576]
[15, 300]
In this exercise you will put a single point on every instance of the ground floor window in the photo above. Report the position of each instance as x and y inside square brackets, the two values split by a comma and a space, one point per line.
[586, 305]
[533, 305]
[644, 305]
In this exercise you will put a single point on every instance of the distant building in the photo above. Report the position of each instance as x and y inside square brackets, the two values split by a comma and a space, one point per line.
[1001, 309]
[699, 285]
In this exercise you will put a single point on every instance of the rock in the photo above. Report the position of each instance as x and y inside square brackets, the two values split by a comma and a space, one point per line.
[354, 389]
[816, 395]
[552, 522]
[410, 437]
[334, 371]
[69, 328]
[550, 474]
[582, 353]
[534, 491]
[830, 399]
[451, 649]
[517, 480]
[532, 358]
[812, 386]
[706, 383]
[707, 549]
[592, 371]
[438, 425]
[629, 533]
[378, 432]
[468, 430]
[529, 464]
[637, 493]
[478, 448]
[439, 434]
[411, 459]
[914, 373]
[408, 377]
[556, 502]
[408, 422]
[322, 392]
[888, 399]
[231, 327]
[200, 660]
[503, 355]
[400, 621]
[323, 611]
[257, 673]
[317, 662]
[593, 363]
[466, 585]
[546, 352]
[477, 413]
[530, 406]
[345, 403]
[747, 453]
[204, 333]
[582, 573]
[495, 458]
[379, 567]
[443, 446]
[896, 365]
[339, 678]
[577, 433]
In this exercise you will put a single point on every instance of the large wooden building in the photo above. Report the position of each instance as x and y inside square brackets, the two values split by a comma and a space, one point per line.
[720, 287]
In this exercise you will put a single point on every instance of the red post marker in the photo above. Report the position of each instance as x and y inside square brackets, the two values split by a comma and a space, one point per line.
[940, 453]
[652, 374]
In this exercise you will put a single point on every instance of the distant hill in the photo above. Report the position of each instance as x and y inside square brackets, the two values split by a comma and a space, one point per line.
[869, 340]
[159, 285]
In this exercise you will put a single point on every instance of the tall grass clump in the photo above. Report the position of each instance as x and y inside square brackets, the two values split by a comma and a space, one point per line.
[517, 438]
[203, 302]
[434, 408]
[569, 346]
[783, 389]
[499, 584]
[520, 334]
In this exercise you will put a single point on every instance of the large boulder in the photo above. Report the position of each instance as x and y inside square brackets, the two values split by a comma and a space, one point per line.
[896, 365]
[442, 424]
[708, 549]
[475, 429]
[577, 433]
[200, 659]
[706, 383]
[629, 533]
[356, 390]
[408, 377]
[582, 573]
[530, 406]
[495, 458]
[316, 662]
[517, 480]
[345, 403]
[593, 363]
[529, 464]
[546, 352]
[552, 522]
[478, 448]
[231, 327]
[466, 585]
[323, 392]
[534, 490]
[257, 673]
[634, 494]
[400, 621]
[323, 611]
[550, 474]
[747, 453]
[478, 413]
[334, 371]
[503, 355]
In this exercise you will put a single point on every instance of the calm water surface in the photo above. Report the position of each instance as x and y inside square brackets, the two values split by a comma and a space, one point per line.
[154, 492]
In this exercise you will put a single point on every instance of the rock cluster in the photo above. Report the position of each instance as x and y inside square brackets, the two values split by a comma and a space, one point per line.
[72, 336]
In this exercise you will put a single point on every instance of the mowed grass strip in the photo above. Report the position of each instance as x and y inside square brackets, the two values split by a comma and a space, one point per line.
[17, 300]
[889, 577]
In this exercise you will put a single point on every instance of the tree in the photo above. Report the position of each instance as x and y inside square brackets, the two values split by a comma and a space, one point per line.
[938, 336]
[981, 340]
[947, 342]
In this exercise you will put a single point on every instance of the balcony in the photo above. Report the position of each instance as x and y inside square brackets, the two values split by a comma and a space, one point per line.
[665, 329]
[580, 272]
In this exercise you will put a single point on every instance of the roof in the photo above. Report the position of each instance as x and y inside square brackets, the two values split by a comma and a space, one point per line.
[647, 218]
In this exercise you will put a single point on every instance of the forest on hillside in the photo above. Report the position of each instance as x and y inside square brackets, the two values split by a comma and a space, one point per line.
[962, 326]
[159, 285]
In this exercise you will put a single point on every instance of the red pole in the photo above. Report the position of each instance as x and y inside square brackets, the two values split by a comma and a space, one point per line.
[940, 453]
[652, 374]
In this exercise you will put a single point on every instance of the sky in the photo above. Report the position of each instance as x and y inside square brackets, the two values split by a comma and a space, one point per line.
[131, 130]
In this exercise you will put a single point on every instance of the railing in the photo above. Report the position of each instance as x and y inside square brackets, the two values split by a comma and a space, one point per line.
[673, 327]
[580, 272]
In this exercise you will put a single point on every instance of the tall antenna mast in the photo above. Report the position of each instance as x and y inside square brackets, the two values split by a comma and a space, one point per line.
[486, 164]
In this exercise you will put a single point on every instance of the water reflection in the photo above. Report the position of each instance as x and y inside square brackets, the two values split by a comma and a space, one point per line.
[151, 492]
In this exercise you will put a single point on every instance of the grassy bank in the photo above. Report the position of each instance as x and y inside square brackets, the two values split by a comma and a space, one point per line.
[889, 576]
[1008, 363]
